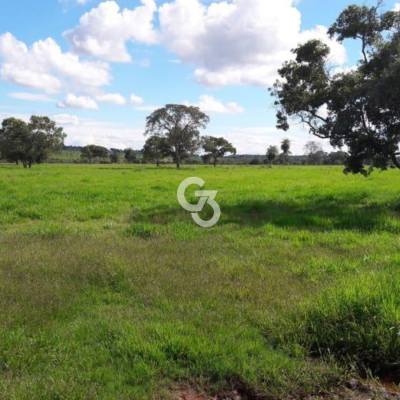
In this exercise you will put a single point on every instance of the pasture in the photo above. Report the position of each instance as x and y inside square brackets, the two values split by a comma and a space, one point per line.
[108, 289]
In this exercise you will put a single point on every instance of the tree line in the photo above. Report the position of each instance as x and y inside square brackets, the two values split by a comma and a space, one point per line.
[356, 108]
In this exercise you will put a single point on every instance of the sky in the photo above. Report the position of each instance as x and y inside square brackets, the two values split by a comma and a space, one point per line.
[99, 68]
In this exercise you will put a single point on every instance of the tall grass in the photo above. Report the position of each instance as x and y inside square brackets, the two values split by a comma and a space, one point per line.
[108, 289]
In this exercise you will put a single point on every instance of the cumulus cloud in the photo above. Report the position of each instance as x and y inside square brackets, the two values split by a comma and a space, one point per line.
[396, 7]
[44, 66]
[136, 100]
[32, 97]
[112, 98]
[211, 105]
[103, 31]
[241, 42]
[236, 42]
[66, 119]
[79, 102]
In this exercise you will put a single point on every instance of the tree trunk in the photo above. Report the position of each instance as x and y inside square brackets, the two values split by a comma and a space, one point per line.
[30, 163]
[178, 161]
[215, 162]
[158, 163]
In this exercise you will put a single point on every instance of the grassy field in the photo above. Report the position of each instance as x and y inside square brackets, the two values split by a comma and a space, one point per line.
[109, 290]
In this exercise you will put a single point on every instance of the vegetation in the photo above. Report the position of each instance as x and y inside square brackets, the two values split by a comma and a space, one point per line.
[178, 126]
[272, 154]
[30, 142]
[359, 108]
[93, 151]
[155, 149]
[216, 148]
[285, 147]
[109, 289]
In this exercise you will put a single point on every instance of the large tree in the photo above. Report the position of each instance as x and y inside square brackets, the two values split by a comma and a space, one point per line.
[30, 142]
[216, 148]
[179, 126]
[358, 108]
[155, 149]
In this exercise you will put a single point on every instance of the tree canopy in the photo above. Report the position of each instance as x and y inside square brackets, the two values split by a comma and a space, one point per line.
[272, 153]
[93, 151]
[216, 148]
[358, 108]
[179, 126]
[30, 142]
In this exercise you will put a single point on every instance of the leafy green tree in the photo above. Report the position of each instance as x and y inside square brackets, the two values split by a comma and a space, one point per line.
[285, 147]
[114, 158]
[155, 149]
[272, 153]
[30, 142]
[216, 148]
[131, 156]
[359, 108]
[179, 126]
[92, 151]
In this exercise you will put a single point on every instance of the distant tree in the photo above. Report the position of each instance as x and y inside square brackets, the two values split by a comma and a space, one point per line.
[179, 126]
[130, 156]
[114, 158]
[336, 158]
[314, 152]
[255, 161]
[285, 147]
[272, 153]
[93, 151]
[30, 142]
[155, 149]
[358, 108]
[216, 148]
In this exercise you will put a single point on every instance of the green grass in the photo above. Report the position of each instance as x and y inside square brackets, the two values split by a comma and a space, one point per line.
[109, 290]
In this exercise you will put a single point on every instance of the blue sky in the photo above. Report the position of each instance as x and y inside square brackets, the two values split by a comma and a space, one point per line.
[100, 67]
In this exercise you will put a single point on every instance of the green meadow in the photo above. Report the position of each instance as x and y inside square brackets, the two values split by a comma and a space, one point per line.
[109, 290]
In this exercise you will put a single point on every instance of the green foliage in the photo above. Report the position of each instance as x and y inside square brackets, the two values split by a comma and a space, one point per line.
[216, 148]
[130, 156]
[178, 126]
[272, 153]
[93, 151]
[155, 149]
[358, 109]
[30, 142]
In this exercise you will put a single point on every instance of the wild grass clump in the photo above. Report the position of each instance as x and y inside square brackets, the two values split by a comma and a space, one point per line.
[357, 322]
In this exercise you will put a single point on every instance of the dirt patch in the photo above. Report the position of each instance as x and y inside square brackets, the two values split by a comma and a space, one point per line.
[353, 389]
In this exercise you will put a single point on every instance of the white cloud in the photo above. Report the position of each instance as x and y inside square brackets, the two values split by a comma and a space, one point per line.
[211, 105]
[32, 97]
[229, 43]
[112, 98]
[79, 102]
[66, 119]
[240, 42]
[104, 31]
[136, 100]
[44, 66]
[396, 7]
